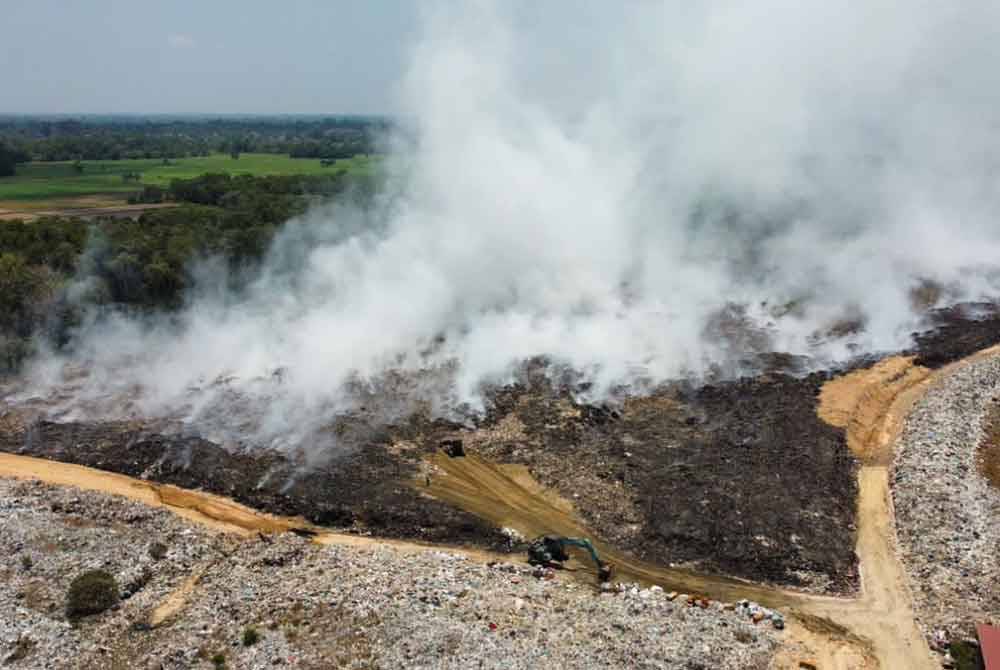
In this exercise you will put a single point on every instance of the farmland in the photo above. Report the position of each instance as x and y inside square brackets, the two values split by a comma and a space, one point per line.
[38, 183]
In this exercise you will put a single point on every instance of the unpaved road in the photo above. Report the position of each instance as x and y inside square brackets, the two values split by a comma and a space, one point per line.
[205, 509]
[116, 211]
[870, 404]
[501, 495]
[881, 616]
[201, 508]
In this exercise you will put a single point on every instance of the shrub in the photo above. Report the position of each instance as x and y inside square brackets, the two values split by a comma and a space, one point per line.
[250, 636]
[26, 562]
[91, 593]
[219, 660]
[966, 655]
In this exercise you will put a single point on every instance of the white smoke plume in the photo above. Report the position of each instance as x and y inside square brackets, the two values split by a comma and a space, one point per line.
[595, 183]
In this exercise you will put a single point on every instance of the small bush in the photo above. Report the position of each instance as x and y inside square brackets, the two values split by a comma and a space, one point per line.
[219, 660]
[157, 550]
[966, 655]
[26, 562]
[250, 636]
[91, 593]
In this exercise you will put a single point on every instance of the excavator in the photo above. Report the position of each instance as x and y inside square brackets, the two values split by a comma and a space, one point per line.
[551, 549]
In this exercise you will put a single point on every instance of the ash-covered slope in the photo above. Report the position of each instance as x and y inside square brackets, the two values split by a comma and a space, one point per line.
[737, 477]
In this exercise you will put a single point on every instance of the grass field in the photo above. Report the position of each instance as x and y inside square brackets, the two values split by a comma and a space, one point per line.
[48, 181]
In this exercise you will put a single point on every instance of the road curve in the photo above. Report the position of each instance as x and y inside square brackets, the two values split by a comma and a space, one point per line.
[870, 404]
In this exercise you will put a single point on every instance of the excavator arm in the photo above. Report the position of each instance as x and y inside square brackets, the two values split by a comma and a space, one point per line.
[584, 543]
[550, 548]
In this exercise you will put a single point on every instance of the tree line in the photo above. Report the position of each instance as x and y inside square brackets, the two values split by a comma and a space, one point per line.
[10, 157]
[53, 270]
[117, 138]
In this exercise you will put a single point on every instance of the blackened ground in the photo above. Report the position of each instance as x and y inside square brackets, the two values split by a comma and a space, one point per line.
[738, 477]
[957, 332]
[758, 484]
[367, 489]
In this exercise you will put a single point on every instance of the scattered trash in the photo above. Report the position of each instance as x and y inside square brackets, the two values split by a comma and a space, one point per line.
[757, 613]
[543, 572]
[939, 641]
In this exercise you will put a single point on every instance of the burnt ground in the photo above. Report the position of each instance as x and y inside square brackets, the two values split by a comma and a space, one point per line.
[739, 477]
[957, 332]
[366, 490]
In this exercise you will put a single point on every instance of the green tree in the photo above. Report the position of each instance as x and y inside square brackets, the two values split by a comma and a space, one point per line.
[16, 283]
[8, 161]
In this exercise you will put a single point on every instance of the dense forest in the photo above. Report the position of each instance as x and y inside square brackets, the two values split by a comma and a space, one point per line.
[124, 137]
[10, 156]
[52, 270]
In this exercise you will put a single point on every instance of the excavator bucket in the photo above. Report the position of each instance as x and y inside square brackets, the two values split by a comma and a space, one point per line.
[606, 572]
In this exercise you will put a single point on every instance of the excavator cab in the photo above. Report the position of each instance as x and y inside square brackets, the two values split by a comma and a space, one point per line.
[551, 549]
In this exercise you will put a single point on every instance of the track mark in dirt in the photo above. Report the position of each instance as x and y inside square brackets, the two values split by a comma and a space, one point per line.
[875, 402]
[871, 406]
[988, 455]
[177, 598]
[878, 624]
[224, 511]
[497, 493]
[820, 644]
[205, 509]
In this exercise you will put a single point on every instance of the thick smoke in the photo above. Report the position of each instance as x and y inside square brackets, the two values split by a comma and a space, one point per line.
[635, 192]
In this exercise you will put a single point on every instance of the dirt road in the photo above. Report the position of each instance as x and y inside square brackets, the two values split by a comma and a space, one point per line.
[200, 507]
[507, 497]
[881, 616]
[82, 209]
[197, 506]
[871, 404]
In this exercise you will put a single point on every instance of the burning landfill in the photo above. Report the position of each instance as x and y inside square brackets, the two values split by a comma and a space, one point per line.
[604, 315]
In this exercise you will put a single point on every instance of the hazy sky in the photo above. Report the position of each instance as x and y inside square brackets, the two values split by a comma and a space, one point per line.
[218, 56]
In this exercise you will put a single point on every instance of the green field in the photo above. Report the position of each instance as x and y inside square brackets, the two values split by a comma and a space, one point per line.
[45, 181]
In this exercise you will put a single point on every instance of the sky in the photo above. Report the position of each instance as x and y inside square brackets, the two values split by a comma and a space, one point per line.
[193, 56]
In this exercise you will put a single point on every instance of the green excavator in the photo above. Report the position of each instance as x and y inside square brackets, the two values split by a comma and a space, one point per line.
[550, 549]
